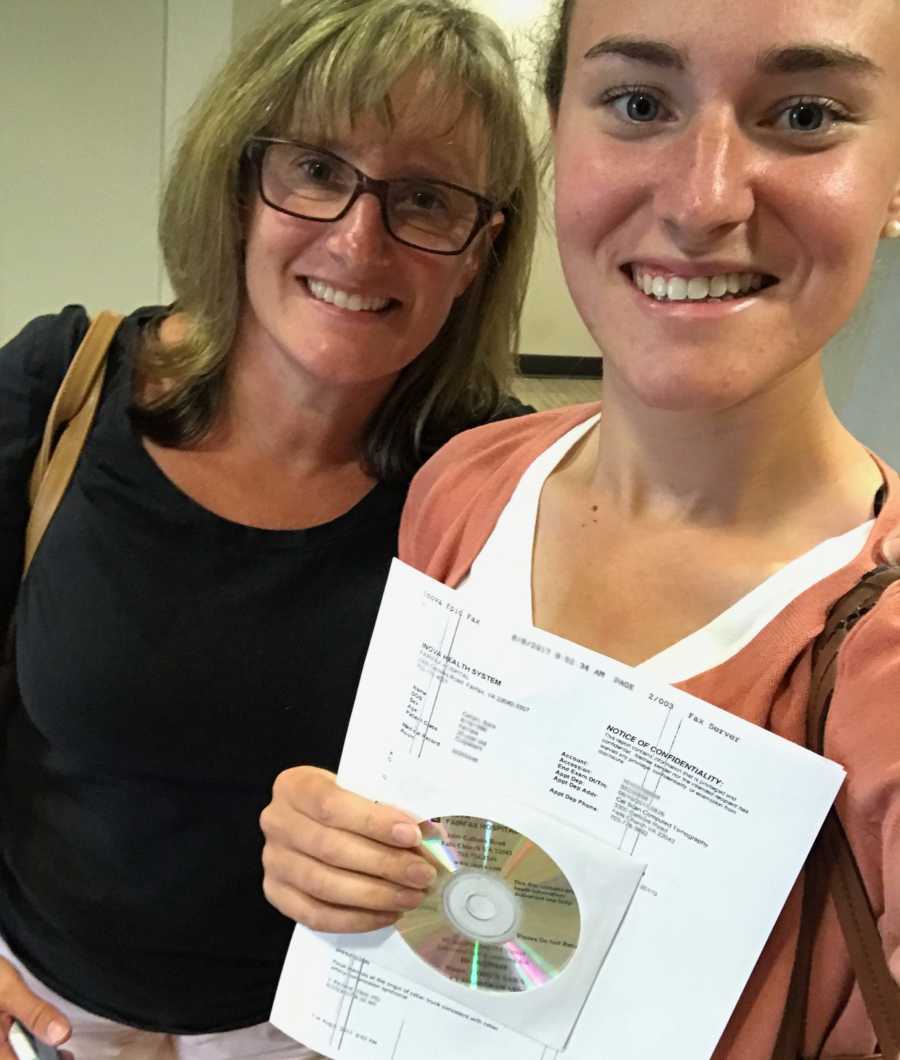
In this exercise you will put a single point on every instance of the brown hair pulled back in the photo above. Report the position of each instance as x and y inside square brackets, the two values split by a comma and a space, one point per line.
[556, 54]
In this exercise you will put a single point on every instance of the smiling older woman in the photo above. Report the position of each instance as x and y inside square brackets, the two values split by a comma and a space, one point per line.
[347, 227]
[723, 175]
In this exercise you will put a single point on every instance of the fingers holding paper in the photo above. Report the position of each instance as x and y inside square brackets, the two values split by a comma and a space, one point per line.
[335, 861]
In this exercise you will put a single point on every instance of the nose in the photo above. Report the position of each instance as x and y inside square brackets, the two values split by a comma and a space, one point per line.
[706, 185]
[360, 237]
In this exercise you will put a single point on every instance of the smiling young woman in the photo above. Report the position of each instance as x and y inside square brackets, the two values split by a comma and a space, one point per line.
[348, 272]
[723, 175]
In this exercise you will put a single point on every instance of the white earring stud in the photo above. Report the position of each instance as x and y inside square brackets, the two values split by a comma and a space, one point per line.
[892, 230]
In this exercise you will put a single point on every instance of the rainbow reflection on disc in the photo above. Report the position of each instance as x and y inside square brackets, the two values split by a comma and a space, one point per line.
[501, 915]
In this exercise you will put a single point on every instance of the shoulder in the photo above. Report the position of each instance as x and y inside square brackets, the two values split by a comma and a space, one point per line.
[869, 661]
[455, 499]
[509, 408]
[495, 444]
[438, 434]
[867, 686]
[864, 720]
[42, 350]
[32, 366]
[863, 735]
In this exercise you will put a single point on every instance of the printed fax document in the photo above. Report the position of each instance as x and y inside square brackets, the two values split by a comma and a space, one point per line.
[721, 812]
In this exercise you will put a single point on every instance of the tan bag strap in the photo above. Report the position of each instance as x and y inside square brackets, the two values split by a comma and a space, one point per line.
[831, 866]
[72, 412]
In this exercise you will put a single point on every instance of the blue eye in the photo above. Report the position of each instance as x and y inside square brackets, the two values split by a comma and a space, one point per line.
[638, 107]
[635, 105]
[807, 117]
[810, 116]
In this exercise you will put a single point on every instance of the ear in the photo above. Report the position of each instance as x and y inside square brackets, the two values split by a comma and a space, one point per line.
[892, 221]
[477, 252]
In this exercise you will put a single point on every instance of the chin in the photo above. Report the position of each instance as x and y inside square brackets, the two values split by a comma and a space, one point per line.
[677, 400]
[351, 373]
[688, 391]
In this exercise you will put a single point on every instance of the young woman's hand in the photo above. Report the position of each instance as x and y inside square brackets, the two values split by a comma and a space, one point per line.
[33, 1012]
[335, 861]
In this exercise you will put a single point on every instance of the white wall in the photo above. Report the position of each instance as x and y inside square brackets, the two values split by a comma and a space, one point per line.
[81, 85]
[91, 96]
[198, 38]
[248, 12]
[864, 373]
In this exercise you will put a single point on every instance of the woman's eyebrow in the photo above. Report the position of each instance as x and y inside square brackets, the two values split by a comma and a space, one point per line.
[657, 53]
[788, 59]
[803, 58]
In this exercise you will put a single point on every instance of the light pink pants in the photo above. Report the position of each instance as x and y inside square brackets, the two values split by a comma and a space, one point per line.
[96, 1038]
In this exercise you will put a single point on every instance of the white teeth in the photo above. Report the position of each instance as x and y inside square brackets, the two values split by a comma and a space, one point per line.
[696, 288]
[718, 286]
[356, 303]
[677, 289]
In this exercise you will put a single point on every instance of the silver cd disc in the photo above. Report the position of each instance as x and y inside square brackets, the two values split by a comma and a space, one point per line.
[501, 915]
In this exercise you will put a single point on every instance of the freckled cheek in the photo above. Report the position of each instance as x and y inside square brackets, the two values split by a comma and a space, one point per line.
[586, 212]
[839, 224]
[591, 202]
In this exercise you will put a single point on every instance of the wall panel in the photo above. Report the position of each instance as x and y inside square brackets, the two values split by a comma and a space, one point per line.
[81, 85]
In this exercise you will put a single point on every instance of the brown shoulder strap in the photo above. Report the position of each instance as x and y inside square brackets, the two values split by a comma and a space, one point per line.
[879, 989]
[73, 409]
[791, 1034]
[832, 866]
[843, 616]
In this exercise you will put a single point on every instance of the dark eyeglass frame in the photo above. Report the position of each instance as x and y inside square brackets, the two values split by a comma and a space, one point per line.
[259, 145]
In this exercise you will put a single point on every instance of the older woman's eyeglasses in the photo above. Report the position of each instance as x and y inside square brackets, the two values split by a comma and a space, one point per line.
[316, 185]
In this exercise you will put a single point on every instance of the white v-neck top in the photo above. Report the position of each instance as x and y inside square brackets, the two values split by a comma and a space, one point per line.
[501, 575]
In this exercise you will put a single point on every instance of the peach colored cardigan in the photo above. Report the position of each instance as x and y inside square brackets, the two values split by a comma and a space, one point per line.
[452, 507]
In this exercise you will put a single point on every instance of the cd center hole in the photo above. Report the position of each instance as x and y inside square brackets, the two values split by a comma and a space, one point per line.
[481, 907]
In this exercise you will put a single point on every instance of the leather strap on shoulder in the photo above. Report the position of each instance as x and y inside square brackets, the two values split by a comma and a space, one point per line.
[791, 1034]
[860, 929]
[831, 866]
[878, 987]
[73, 409]
[841, 619]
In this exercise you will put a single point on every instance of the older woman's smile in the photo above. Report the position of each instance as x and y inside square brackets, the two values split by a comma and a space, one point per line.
[354, 301]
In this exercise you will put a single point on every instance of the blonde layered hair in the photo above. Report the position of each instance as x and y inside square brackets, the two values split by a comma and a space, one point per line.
[320, 64]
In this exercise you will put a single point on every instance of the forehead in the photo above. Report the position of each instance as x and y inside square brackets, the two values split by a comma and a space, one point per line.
[738, 32]
[421, 125]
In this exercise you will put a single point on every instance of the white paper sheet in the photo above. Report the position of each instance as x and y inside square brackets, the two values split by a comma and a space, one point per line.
[722, 812]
